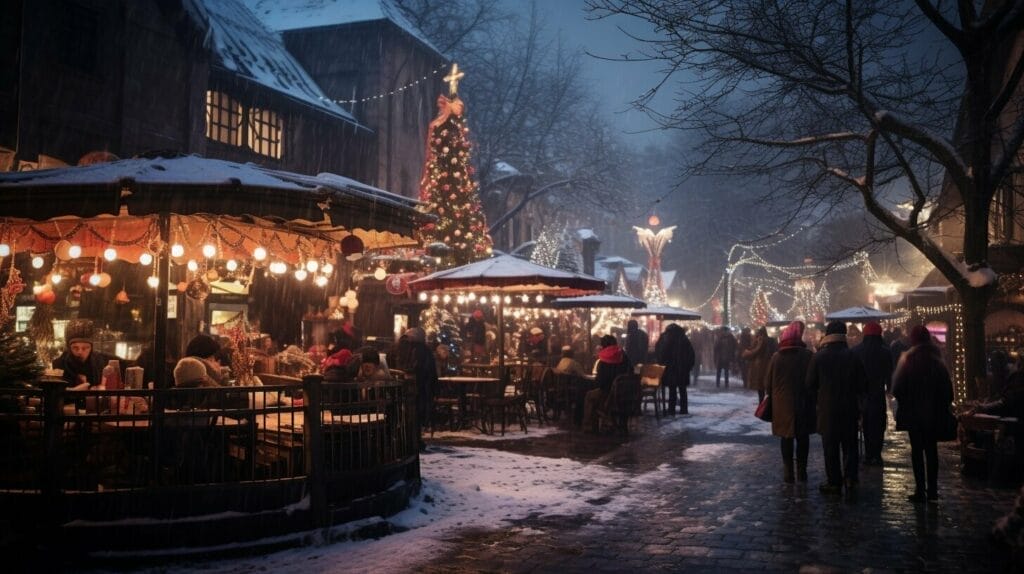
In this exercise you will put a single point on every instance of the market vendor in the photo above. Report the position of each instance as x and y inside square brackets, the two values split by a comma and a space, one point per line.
[82, 366]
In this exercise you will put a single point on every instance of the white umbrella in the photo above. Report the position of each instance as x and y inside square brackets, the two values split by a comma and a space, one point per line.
[860, 314]
[663, 312]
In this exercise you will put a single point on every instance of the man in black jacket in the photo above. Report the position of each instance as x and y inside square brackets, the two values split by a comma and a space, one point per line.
[836, 377]
[876, 357]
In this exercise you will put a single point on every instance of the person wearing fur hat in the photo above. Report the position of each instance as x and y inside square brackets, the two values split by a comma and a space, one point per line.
[836, 378]
[924, 391]
[82, 366]
[793, 417]
[876, 357]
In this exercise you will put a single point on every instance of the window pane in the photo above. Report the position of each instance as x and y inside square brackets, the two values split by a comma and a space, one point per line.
[223, 118]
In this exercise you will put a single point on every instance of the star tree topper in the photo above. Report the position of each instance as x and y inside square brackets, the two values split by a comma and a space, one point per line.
[453, 79]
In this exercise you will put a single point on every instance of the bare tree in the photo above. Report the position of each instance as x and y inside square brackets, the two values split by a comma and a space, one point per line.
[842, 101]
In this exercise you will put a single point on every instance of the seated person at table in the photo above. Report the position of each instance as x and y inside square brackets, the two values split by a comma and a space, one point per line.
[190, 373]
[207, 349]
[370, 369]
[340, 367]
[611, 362]
[568, 365]
[535, 347]
[82, 366]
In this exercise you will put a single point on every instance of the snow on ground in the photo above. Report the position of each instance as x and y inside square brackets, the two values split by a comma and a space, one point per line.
[482, 488]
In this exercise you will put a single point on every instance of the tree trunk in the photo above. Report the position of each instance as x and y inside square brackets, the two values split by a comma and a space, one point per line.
[975, 306]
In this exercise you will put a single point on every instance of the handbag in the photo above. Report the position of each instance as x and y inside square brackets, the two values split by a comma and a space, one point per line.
[764, 409]
[947, 427]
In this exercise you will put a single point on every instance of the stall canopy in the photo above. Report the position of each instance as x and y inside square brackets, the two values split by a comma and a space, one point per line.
[861, 314]
[599, 302]
[508, 274]
[326, 204]
[666, 312]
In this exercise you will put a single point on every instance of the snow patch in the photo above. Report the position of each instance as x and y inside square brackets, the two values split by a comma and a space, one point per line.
[710, 452]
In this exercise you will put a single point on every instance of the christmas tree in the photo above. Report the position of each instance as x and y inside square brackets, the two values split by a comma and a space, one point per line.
[18, 361]
[760, 309]
[448, 188]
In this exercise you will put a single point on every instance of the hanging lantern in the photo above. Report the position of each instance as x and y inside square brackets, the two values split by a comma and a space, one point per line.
[63, 250]
[104, 279]
[153, 281]
[122, 297]
[38, 262]
[146, 258]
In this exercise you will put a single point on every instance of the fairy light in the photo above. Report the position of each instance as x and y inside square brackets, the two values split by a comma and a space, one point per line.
[447, 299]
[434, 298]
[389, 93]
[379, 274]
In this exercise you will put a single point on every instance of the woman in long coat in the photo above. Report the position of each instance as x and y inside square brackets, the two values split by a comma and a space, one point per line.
[757, 358]
[793, 416]
[676, 353]
[923, 392]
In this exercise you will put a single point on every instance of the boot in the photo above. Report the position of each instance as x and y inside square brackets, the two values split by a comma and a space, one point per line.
[787, 476]
[801, 472]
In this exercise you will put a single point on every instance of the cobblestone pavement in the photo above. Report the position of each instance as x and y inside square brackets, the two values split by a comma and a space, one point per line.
[722, 507]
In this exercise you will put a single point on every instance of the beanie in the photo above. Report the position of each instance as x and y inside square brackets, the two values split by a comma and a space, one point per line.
[478, 314]
[835, 328]
[793, 332]
[872, 329]
[79, 331]
[202, 346]
[188, 371]
[920, 335]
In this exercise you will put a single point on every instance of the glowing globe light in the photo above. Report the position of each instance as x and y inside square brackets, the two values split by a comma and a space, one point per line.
[192, 265]
[320, 281]
[447, 298]
[177, 250]
[110, 254]
[231, 265]
[56, 278]
[379, 274]
[94, 279]
[328, 269]
[75, 251]
[423, 296]
[146, 258]
[37, 262]
[278, 268]
[301, 274]
[5, 250]
[312, 265]
[209, 251]
[259, 254]
[153, 281]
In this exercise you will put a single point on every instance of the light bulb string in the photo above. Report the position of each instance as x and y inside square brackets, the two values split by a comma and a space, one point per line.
[388, 93]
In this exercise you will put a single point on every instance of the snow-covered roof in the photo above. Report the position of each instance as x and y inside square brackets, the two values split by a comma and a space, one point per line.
[602, 300]
[510, 274]
[504, 169]
[282, 15]
[242, 45]
[585, 234]
[668, 312]
[858, 314]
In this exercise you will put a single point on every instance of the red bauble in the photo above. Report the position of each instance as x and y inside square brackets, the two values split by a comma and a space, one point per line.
[47, 297]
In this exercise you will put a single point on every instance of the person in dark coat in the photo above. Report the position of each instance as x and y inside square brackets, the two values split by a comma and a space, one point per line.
[425, 370]
[675, 352]
[876, 357]
[923, 391]
[82, 365]
[757, 358]
[611, 362]
[637, 343]
[836, 378]
[725, 353]
[793, 417]
[744, 344]
[475, 334]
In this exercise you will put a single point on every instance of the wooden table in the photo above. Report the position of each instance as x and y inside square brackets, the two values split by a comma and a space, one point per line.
[482, 386]
[984, 439]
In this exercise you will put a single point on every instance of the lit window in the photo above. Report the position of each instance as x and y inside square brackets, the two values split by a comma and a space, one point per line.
[223, 118]
[265, 129]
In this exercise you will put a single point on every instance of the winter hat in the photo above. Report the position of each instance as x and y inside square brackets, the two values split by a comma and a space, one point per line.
[79, 331]
[793, 331]
[835, 328]
[188, 371]
[536, 331]
[202, 346]
[609, 340]
[416, 334]
[872, 329]
[920, 335]
[478, 314]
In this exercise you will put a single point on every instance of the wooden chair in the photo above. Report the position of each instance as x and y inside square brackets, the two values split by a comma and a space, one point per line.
[650, 387]
[623, 403]
[558, 397]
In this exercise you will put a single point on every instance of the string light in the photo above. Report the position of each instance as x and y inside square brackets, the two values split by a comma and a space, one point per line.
[388, 93]
[209, 251]
[259, 254]
[5, 249]
[75, 251]
[231, 265]
[146, 258]
[37, 262]
[110, 254]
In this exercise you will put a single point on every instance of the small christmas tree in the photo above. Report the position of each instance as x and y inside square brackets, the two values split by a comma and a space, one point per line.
[448, 187]
[545, 251]
[18, 360]
[760, 309]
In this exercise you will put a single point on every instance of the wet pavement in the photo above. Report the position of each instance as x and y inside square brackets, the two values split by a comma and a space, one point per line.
[712, 499]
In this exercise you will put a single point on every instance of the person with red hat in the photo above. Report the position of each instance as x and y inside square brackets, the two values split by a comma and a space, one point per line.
[876, 357]
[924, 391]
